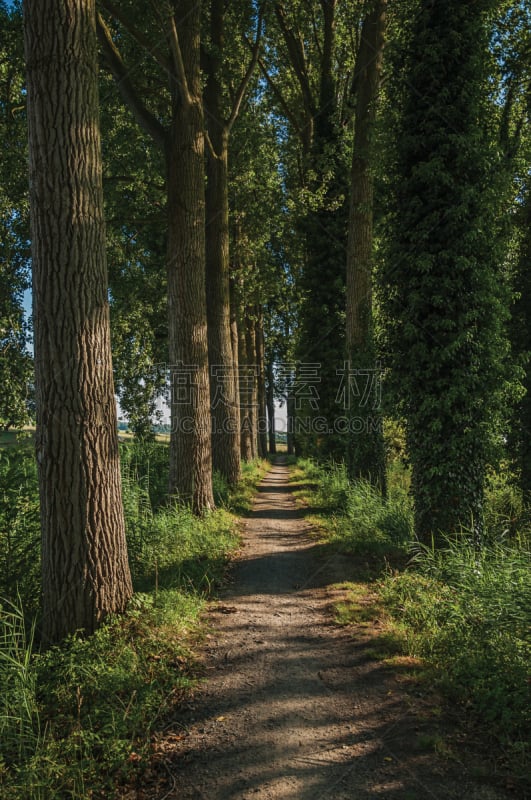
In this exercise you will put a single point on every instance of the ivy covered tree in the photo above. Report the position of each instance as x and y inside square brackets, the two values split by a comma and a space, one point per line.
[441, 284]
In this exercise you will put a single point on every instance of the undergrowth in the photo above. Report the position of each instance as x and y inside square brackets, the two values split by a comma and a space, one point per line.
[356, 517]
[466, 612]
[76, 720]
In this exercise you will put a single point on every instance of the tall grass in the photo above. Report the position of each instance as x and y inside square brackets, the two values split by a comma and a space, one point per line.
[360, 518]
[19, 527]
[466, 611]
[19, 715]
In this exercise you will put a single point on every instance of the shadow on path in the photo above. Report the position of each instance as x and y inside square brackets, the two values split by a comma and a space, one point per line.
[293, 706]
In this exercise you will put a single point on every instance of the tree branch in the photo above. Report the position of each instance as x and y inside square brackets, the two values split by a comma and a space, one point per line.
[179, 62]
[297, 59]
[137, 34]
[131, 98]
[242, 88]
[280, 97]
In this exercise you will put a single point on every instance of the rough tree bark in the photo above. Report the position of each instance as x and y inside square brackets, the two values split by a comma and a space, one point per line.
[245, 397]
[366, 451]
[190, 447]
[85, 573]
[260, 385]
[183, 144]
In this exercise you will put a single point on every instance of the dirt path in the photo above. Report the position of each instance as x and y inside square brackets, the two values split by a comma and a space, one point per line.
[295, 707]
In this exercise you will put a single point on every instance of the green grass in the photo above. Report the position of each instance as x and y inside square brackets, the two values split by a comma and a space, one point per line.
[355, 516]
[76, 720]
[465, 612]
[468, 613]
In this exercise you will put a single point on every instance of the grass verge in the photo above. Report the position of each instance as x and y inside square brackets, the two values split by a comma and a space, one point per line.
[465, 614]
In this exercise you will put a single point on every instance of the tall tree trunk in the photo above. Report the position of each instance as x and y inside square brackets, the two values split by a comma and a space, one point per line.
[250, 350]
[521, 335]
[225, 422]
[260, 385]
[190, 441]
[85, 573]
[246, 396]
[225, 443]
[235, 357]
[183, 145]
[366, 451]
[270, 399]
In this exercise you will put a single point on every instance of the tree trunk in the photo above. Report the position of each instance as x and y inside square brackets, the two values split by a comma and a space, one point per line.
[246, 382]
[250, 349]
[366, 451]
[85, 573]
[235, 357]
[270, 399]
[225, 444]
[225, 418]
[521, 335]
[260, 386]
[190, 441]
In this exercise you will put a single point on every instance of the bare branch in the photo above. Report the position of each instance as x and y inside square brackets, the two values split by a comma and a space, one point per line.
[281, 99]
[297, 59]
[137, 34]
[210, 146]
[130, 96]
[179, 63]
[242, 88]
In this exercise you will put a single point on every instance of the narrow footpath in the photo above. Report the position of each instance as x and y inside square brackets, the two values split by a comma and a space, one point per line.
[296, 707]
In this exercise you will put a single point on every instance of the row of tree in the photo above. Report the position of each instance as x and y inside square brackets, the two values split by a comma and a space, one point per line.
[290, 209]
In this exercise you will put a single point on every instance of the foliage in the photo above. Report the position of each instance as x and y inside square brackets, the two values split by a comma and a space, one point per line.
[359, 518]
[15, 360]
[442, 288]
[468, 613]
[135, 209]
[20, 535]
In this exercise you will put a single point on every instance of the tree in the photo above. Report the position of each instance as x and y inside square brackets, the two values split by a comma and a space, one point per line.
[136, 222]
[521, 330]
[441, 283]
[309, 80]
[220, 118]
[16, 365]
[366, 453]
[177, 127]
[84, 558]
